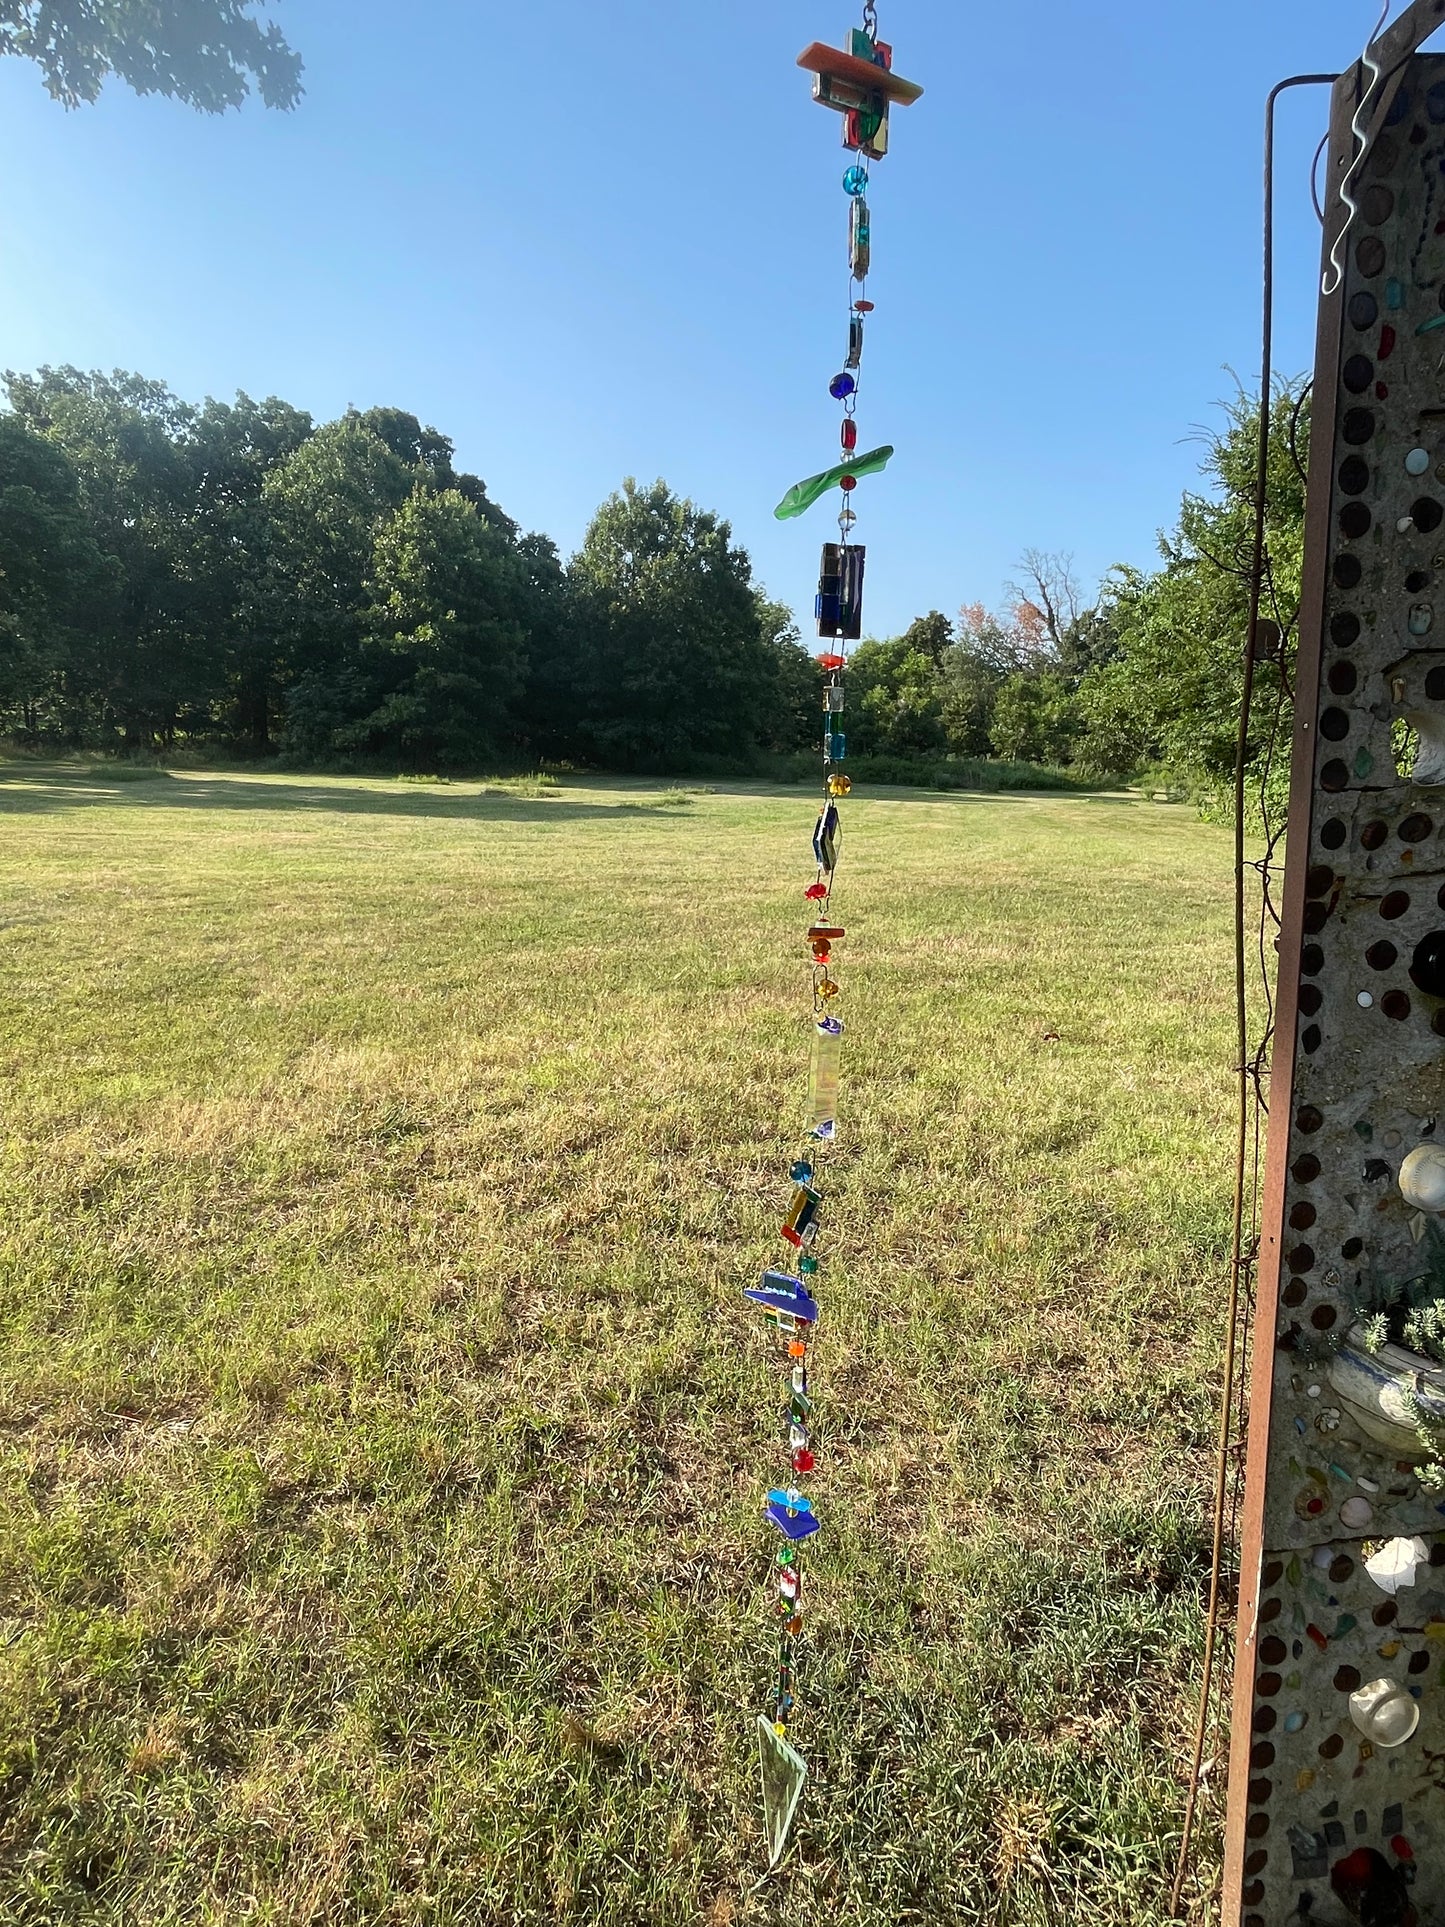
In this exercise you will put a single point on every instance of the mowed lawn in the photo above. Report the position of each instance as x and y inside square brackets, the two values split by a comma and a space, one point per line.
[382, 1429]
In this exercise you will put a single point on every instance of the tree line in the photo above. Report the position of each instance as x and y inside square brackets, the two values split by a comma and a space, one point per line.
[236, 576]
[1145, 677]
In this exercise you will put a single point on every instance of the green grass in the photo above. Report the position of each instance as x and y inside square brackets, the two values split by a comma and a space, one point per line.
[382, 1430]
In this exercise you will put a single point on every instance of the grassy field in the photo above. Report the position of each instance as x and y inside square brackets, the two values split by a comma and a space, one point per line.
[382, 1429]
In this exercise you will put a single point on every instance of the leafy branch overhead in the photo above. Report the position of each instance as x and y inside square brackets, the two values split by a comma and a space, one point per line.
[208, 53]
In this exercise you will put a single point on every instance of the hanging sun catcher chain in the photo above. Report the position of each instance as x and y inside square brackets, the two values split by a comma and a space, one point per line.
[860, 84]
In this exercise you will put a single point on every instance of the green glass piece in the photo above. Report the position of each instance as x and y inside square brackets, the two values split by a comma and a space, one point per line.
[1364, 761]
[783, 1770]
[801, 497]
[807, 1266]
[1429, 327]
[1365, 1129]
[1294, 1572]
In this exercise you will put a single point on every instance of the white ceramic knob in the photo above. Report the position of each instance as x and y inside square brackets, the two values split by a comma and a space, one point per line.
[1384, 1712]
[1422, 1178]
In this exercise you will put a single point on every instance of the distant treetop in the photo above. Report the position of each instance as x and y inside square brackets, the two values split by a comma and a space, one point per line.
[208, 53]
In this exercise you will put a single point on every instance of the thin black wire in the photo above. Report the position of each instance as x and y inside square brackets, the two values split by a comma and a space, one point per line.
[1247, 1149]
[1315, 179]
[1295, 413]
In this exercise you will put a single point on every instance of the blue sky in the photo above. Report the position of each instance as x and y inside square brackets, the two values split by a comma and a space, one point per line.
[591, 242]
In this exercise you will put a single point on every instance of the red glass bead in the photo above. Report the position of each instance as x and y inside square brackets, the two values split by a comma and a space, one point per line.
[850, 434]
[1382, 393]
[816, 892]
[863, 307]
[832, 662]
[1387, 342]
[803, 1460]
[848, 484]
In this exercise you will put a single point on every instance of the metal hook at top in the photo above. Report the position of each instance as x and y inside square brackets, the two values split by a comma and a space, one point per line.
[870, 17]
[1359, 133]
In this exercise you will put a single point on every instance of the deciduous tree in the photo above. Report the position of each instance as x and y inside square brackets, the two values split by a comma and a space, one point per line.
[673, 664]
[208, 53]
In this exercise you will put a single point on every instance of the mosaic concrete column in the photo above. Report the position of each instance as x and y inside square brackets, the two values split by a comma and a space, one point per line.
[1337, 1777]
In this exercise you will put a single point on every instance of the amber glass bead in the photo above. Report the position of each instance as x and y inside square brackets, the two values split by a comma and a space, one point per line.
[828, 988]
[840, 786]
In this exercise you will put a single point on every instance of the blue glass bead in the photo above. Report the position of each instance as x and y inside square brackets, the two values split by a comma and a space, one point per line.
[802, 1172]
[841, 387]
[795, 1525]
[840, 747]
[855, 181]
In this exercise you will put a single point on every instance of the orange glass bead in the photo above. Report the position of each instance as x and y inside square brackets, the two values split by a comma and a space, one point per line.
[823, 952]
[832, 662]
[797, 1349]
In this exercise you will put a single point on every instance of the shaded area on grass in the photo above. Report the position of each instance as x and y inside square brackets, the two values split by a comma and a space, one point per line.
[37, 791]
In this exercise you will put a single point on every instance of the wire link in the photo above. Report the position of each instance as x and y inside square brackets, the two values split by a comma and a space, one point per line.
[785, 1696]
